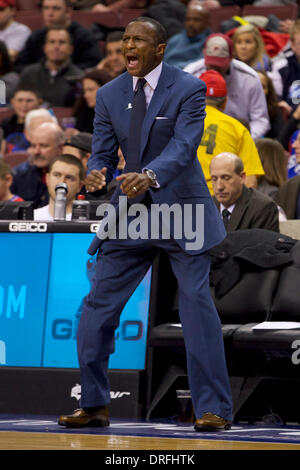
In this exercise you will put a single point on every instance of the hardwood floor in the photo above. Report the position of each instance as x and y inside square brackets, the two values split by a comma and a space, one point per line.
[59, 441]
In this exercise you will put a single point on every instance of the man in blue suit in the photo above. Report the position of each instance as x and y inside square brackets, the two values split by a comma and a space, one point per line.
[167, 172]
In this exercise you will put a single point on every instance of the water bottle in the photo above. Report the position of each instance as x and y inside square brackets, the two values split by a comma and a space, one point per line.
[60, 204]
[81, 208]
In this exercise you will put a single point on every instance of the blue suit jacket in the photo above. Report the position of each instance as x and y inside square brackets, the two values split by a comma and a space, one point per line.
[168, 146]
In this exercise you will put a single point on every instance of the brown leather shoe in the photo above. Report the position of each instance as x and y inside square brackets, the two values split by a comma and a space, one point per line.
[80, 418]
[211, 422]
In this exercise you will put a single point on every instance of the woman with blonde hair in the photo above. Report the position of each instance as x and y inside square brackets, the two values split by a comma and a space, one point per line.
[249, 47]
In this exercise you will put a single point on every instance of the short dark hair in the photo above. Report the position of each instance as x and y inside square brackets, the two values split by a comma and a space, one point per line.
[70, 160]
[36, 92]
[114, 36]
[161, 33]
[68, 3]
[99, 76]
[218, 101]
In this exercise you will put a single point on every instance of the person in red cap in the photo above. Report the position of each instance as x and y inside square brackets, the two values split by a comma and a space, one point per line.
[12, 33]
[246, 99]
[223, 133]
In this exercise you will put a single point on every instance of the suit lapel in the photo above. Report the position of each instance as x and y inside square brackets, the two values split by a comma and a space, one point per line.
[126, 102]
[160, 94]
[238, 211]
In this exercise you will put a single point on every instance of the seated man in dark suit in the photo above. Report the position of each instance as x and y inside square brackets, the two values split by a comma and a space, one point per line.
[289, 197]
[241, 207]
[289, 192]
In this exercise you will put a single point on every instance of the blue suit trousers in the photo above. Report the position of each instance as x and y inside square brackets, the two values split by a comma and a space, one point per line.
[121, 265]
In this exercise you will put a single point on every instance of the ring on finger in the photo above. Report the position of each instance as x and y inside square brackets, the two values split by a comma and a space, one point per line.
[134, 189]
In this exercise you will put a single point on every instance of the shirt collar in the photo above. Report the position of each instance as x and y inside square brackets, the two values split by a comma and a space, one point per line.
[230, 208]
[151, 78]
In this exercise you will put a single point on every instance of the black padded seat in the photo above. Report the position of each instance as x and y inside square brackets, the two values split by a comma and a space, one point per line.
[275, 343]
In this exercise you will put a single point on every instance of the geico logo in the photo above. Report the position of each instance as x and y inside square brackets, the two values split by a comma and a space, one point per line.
[27, 227]
[65, 328]
[94, 228]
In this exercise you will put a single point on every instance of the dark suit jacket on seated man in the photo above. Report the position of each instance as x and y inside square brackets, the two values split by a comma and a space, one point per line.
[163, 169]
[241, 207]
[289, 197]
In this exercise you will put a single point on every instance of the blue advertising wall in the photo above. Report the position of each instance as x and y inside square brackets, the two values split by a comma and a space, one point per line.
[43, 280]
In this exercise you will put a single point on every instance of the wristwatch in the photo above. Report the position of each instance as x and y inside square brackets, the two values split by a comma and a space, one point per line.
[152, 176]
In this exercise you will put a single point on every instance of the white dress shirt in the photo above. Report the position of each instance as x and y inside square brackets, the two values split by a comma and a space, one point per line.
[230, 209]
[152, 80]
[149, 88]
[43, 214]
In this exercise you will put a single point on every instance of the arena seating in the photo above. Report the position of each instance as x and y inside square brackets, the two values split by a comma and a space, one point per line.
[31, 18]
[283, 12]
[111, 19]
[15, 158]
[221, 14]
[30, 5]
[5, 113]
[252, 355]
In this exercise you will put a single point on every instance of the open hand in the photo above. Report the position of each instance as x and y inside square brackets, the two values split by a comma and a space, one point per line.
[95, 180]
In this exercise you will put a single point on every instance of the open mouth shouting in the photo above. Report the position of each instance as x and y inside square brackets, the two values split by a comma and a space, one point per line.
[132, 63]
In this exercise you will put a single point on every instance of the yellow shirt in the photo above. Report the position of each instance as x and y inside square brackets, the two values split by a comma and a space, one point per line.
[223, 133]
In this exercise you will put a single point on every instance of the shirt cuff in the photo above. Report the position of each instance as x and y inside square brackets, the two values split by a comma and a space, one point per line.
[157, 185]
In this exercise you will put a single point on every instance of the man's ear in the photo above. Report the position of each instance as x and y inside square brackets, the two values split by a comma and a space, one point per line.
[8, 180]
[243, 176]
[161, 49]
[224, 104]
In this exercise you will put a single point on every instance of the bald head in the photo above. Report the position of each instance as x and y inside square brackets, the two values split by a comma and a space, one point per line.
[227, 177]
[197, 19]
[229, 158]
[52, 129]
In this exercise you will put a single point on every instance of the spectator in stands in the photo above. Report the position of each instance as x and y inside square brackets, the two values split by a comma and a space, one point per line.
[288, 73]
[23, 101]
[276, 118]
[114, 5]
[169, 13]
[187, 46]
[246, 99]
[86, 52]
[6, 180]
[46, 143]
[223, 133]
[289, 193]
[291, 125]
[80, 146]
[114, 62]
[35, 118]
[64, 169]
[249, 47]
[84, 108]
[273, 159]
[14, 34]
[55, 77]
[240, 207]
[7, 75]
